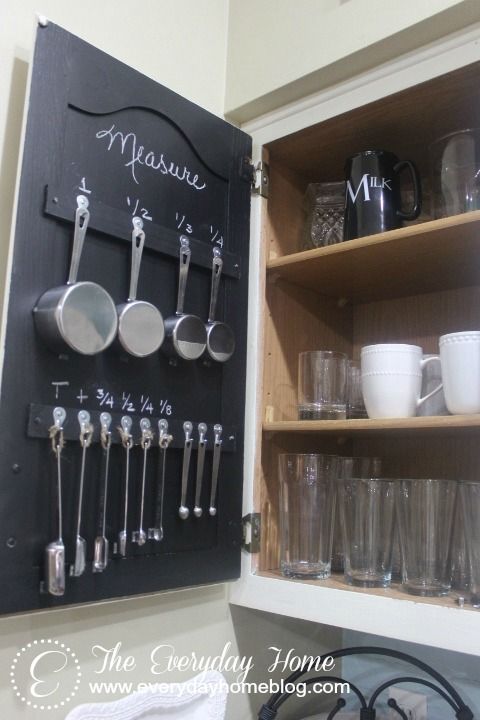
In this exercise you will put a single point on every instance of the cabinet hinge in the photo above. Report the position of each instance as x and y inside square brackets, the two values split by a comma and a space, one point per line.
[251, 532]
[257, 175]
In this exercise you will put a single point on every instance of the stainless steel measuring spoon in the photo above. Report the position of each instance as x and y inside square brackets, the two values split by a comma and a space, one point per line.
[140, 536]
[100, 550]
[220, 337]
[217, 449]
[86, 432]
[127, 442]
[183, 510]
[78, 316]
[164, 440]
[55, 551]
[140, 324]
[202, 444]
[185, 335]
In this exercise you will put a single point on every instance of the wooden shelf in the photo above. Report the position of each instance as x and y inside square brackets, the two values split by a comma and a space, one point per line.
[389, 612]
[437, 255]
[433, 424]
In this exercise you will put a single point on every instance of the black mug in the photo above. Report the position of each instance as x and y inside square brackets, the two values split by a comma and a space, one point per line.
[372, 193]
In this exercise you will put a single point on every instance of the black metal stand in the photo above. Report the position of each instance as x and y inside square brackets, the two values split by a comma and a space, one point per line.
[270, 709]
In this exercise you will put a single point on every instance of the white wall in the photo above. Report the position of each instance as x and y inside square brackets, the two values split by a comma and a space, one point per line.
[280, 51]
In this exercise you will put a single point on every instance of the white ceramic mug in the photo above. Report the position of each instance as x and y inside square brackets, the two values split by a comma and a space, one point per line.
[460, 358]
[392, 379]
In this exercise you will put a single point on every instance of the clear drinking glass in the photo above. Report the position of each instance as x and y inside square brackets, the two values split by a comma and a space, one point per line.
[470, 504]
[425, 514]
[455, 165]
[307, 506]
[322, 385]
[348, 467]
[367, 517]
[355, 403]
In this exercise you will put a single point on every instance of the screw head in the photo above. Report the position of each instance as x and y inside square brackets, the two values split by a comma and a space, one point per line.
[16, 468]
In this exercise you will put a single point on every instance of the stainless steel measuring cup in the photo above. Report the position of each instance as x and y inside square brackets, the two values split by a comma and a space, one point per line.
[185, 334]
[220, 337]
[140, 324]
[78, 316]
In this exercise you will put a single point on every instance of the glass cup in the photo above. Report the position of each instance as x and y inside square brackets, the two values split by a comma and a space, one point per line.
[307, 506]
[459, 564]
[355, 403]
[324, 204]
[425, 519]
[455, 165]
[367, 518]
[470, 506]
[348, 467]
[322, 385]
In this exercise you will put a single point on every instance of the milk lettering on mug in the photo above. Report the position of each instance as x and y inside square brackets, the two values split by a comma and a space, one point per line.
[368, 181]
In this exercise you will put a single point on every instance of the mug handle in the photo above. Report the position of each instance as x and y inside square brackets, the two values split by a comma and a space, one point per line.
[417, 190]
[423, 363]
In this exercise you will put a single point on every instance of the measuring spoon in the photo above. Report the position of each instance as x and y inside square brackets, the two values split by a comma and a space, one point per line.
[202, 444]
[164, 440]
[140, 536]
[220, 337]
[185, 334]
[140, 324]
[217, 449]
[100, 551]
[183, 510]
[86, 432]
[78, 316]
[127, 442]
[55, 551]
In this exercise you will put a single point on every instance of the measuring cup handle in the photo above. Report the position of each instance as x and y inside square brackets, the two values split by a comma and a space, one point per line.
[82, 217]
[417, 190]
[138, 241]
[185, 254]
[217, 266]
[424, 363]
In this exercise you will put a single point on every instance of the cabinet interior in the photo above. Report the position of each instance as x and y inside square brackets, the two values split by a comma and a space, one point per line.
[410, 285]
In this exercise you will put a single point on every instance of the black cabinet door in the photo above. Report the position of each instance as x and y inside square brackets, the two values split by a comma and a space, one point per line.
[98, 129]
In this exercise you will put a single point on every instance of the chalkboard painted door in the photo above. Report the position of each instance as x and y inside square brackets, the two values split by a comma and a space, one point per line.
[133, 148]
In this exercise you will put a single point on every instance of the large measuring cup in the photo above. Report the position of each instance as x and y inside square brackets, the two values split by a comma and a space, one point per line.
[78, 316]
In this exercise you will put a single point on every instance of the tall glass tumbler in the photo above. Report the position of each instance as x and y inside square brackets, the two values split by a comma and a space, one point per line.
[425, 520]
[470, 504]
[361, 467]
[307, 506]
[367, 517]
[322, 385]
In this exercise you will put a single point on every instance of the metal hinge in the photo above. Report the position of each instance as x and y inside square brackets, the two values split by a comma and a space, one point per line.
[251, 533]
[257, 175]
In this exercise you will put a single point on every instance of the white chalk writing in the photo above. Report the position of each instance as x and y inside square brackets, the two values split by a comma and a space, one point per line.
[138, 156]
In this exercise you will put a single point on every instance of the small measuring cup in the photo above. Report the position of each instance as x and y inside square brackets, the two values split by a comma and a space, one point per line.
[220, 337]
[185, 334]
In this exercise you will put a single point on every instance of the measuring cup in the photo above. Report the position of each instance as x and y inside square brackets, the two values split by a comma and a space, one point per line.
[140, 324]
[185, 335]
[220, 337]
[78, 316]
